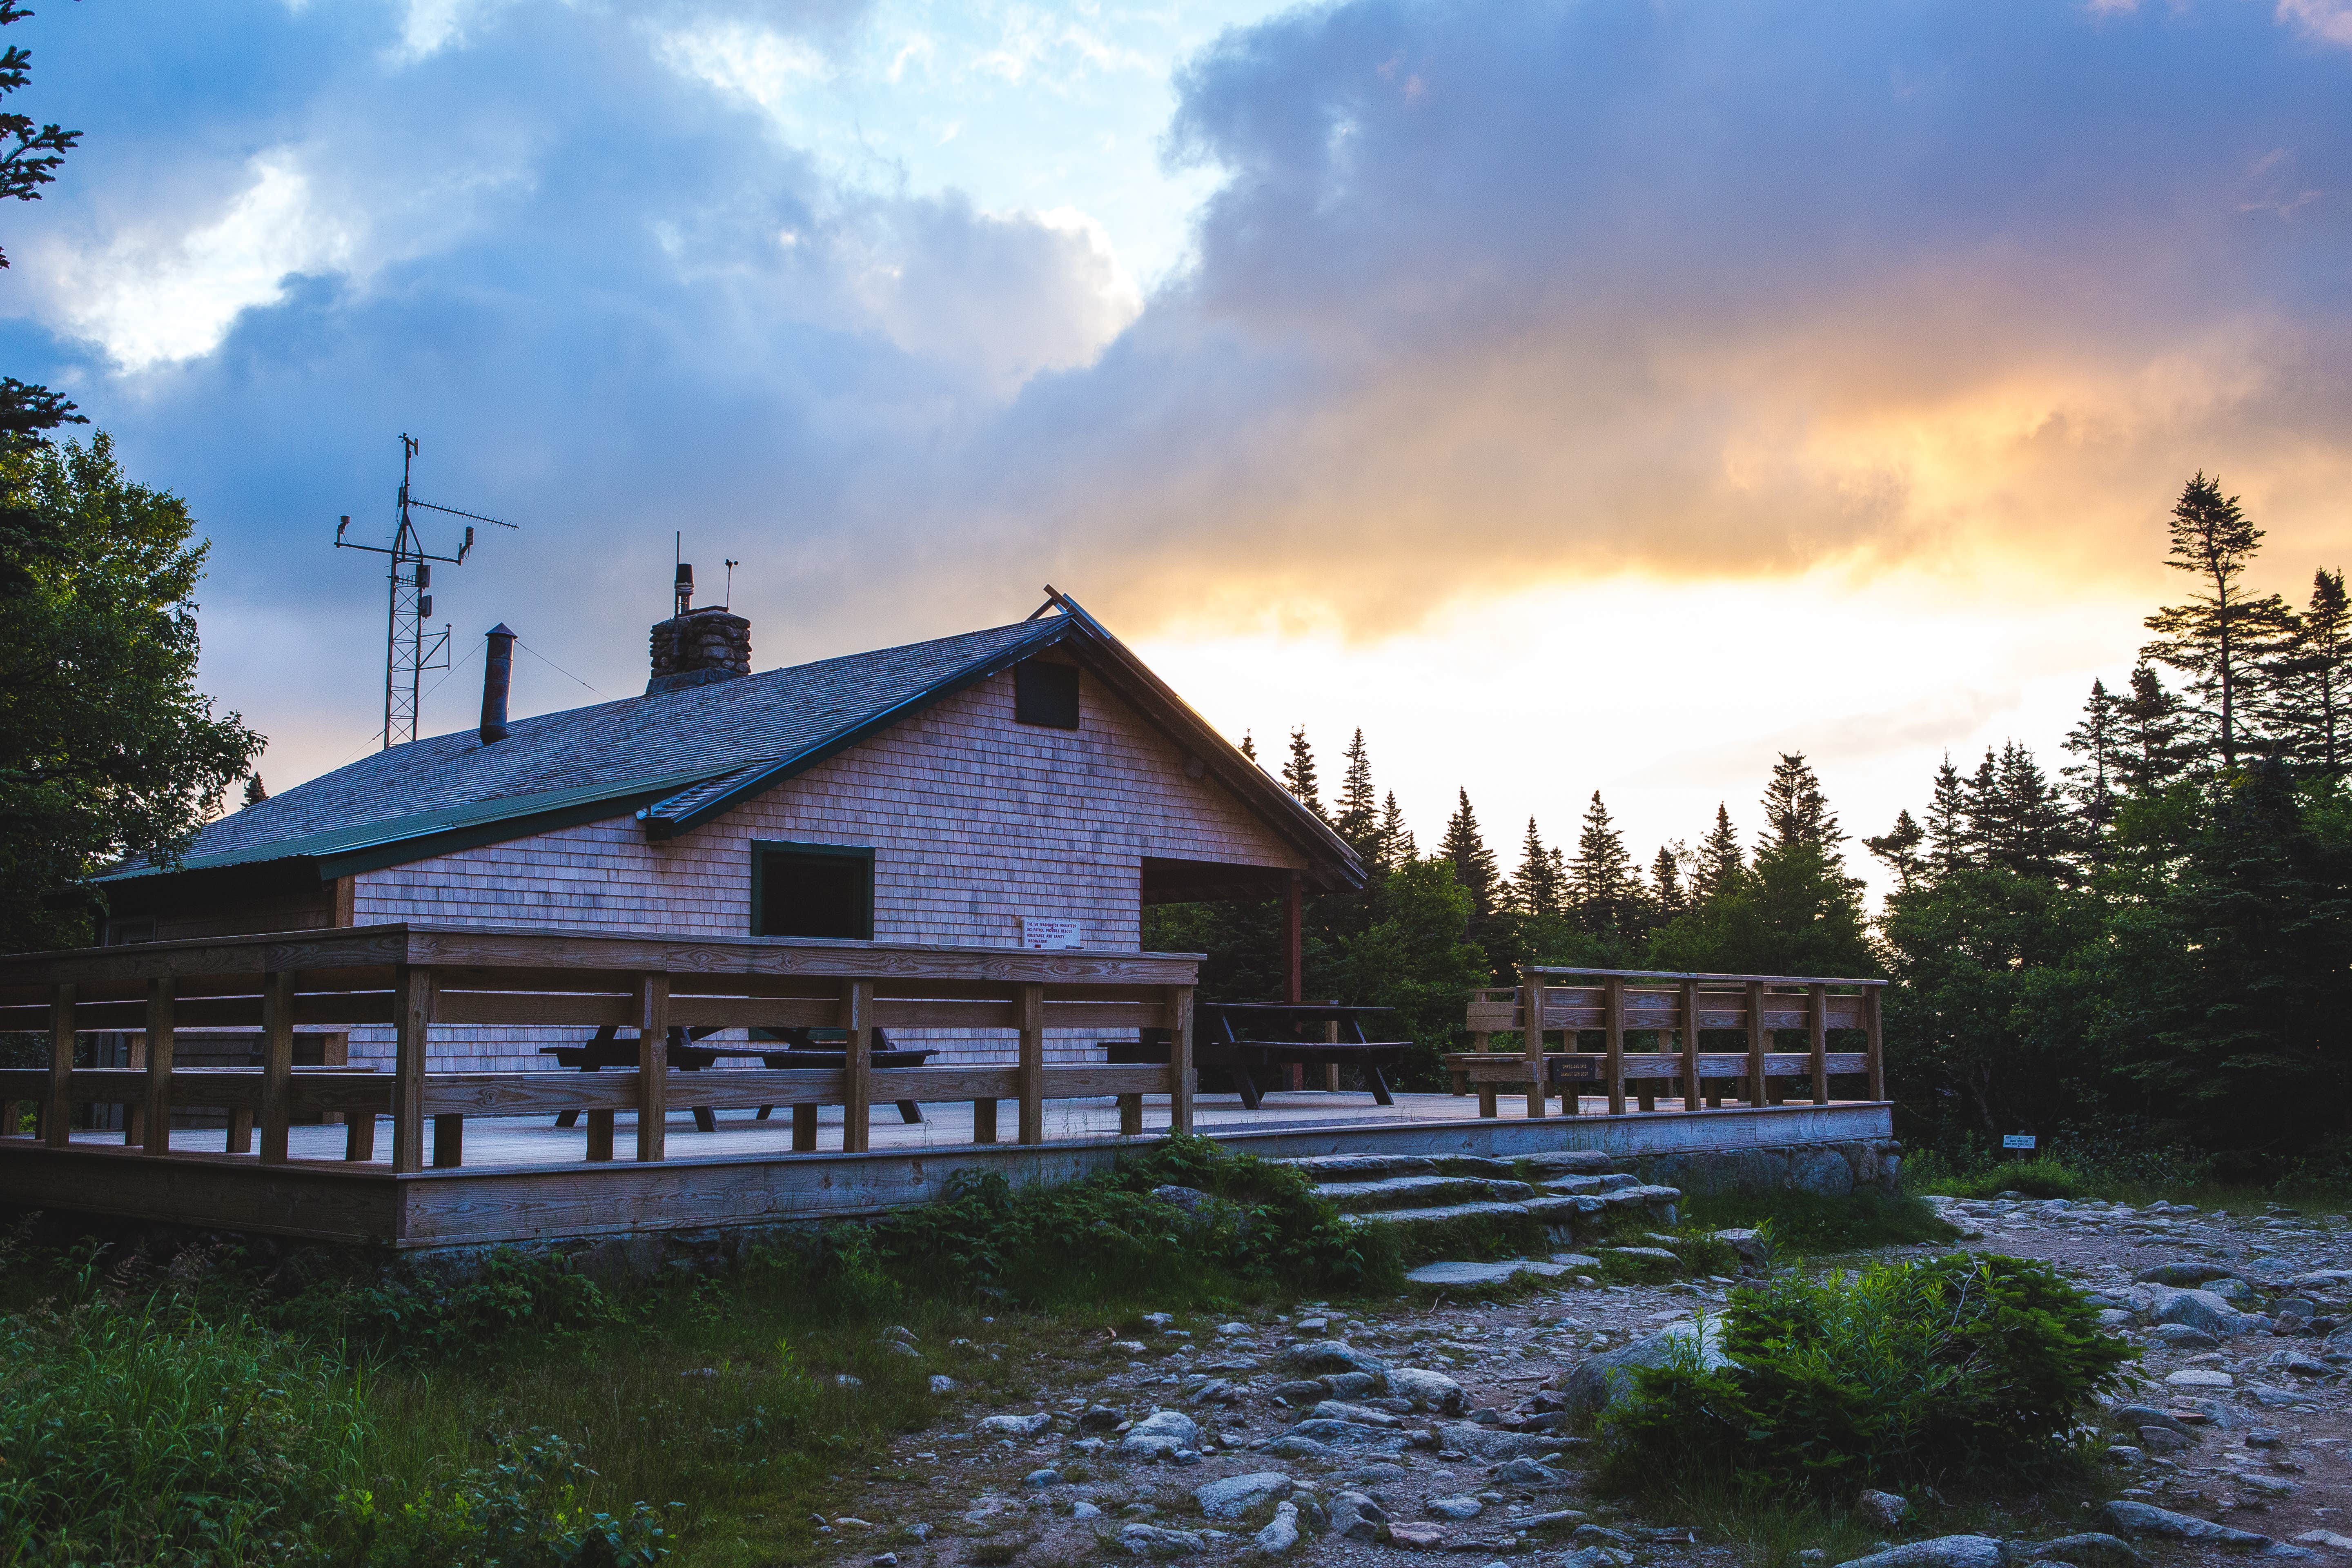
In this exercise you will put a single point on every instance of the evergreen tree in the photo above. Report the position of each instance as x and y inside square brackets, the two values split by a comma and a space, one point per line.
[2094, 781]
[27, 409]
[1602, 880]
[1249, 747]
[1720, 860]
[1392, 840]
[1535, 887]
[2220, 633]
[253, 792]
[1473, 864]
[1299, 773]
[2015, 820]
[1666, 882]
[1358, 819]
[1899, 848]
[2157, 750]
[1949, 845]
[2310, 678]
[1795, 810]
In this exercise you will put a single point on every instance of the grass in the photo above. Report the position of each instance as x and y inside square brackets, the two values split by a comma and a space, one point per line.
[2124, 1175]
[1808, 1226]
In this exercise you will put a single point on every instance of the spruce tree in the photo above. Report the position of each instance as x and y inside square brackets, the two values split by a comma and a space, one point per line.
[1601, 881]
[2094, 781]
[1899, 848]
[1720, 859]
[1392, 840]
[1473, 864]
[1795, 810]
[1249, 747]
[2310, 678]
[1535, 886]
[1360, 807]
[1666, 882]
[2157, 750]
[1299, 773]
[2220, 634]
[1949, 847]
[254, 793]
[2015, 820]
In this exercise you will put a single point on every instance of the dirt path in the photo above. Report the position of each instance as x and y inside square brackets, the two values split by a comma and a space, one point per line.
[2267, 1453]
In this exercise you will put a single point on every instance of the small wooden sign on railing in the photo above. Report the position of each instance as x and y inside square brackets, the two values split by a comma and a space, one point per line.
[1670, 1006]
[418, 977]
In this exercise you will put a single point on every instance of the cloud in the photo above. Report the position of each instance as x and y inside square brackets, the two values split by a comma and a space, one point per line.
[1483, 298]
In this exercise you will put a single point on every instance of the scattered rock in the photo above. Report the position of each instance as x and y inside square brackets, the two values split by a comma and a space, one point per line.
[2163, 1440]
[942, 1383]
[1280, 1537]
[1351, 1436]
[2149, 1416]
[2145, 1519]
[2089, 1549]
[1885, 1510]
[1340, 1410]
[2197, 1309]
[2182, 1337]
[1014, 1425]
[1082, 1508]
[1490, 1444]
[2201, 1377]
[1159, 1435]
[1643, 1253]
[1042, 1478]
[1426, 1390]
[2326, 1537]
[1486, 1273]
[1943, 1552]
[2269, 1485]
[1416, 1537]
[1356, 1517]
[1527, 1473]
[1328, 1356]
[2189, 1272]
[1155, 1541]
[1599, 1379]
[1237, 1495]
[1750, 1245]
[1455, 1508]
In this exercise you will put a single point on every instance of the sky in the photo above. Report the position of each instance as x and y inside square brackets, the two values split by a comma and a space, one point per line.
[1600, 394]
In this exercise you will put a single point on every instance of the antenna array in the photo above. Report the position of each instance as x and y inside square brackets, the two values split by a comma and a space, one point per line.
[408, 649]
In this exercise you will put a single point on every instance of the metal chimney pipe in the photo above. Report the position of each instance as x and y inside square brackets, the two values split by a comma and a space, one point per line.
[497, 674]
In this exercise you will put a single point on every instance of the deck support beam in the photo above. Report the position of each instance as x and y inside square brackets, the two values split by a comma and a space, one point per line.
[57, 1107]
[1691, 1090]
[412, 991]
[1029, 1007]
[157, 1138]
[1614, 1005]
[652, 1010]
[857, 1064]
[1531, 1009]
[277, 1065]
[1817, 1025]
[1179, 1058]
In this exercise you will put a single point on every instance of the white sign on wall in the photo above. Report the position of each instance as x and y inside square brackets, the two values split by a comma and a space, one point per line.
[1050, 930]
[2017, 1140]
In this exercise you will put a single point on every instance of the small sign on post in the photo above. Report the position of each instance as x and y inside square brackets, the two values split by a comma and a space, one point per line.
[1049, 931]
[2017, 1140]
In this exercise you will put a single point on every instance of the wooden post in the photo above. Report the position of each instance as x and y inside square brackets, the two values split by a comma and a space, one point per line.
[277, 1064]
[359, 1135]
[1871, 996]
[1531, 1019]
[1331, 1069]
[1613, 993]
[1293, 941]
[1130, 1115]
[1817, 1019]
[159, 1019]
[1179, 1058]
[56, 1104]
[411, 994]
[1756, 1090]
[1029, 1009]
[1691, 1089]
[804, 1128]
[600, 1136]
[450, 1140]
[652, 1010]
[984, 1122]
[857, 1098]
[240, 1129]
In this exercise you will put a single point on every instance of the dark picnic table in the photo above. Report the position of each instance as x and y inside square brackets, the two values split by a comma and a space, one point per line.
[792, 1049]
[1241, 1035]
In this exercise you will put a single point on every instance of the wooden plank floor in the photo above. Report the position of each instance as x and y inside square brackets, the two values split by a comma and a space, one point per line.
[528, 1143]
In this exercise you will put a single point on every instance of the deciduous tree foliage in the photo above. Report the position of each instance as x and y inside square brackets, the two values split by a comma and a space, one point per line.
[107, 749]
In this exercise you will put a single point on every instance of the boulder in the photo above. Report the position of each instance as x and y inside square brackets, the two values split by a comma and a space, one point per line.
[2186, 1272]
[2145, 1519]
[2089, 1549]
[1339, 1410]
[1280, 1537]
[1290, 1446]
[2182, 1337]
[1885, 1510]
[1236, 1495]
[1455, 1508]
[1943, 1552]
[1328, 1356]
[2196, 1309]
[1014, 1425]
[1751, 1245]
[1426, 1390]
[1353, 1385]
[1527, 1473]
[1191, 1200]
[1153, 1540]
[1485, 1273]
[1598, 1381]
[1823, 1171]
[2201, 1377]
[2323, 1279]
[1356, 1517]
[1159, 1435]
[1351, 1436]
[1494, 1443]
[1416, 1537]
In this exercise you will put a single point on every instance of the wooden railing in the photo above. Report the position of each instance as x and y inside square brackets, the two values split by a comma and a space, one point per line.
[1619, 1002]
[417, 977]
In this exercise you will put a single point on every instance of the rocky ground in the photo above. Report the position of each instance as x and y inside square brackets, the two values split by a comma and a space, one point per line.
[1440, 1427]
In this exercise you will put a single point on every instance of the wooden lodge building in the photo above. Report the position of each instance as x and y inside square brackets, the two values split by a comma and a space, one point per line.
[1024, 784]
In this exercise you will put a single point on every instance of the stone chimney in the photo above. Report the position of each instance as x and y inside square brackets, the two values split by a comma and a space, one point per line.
[694, 648]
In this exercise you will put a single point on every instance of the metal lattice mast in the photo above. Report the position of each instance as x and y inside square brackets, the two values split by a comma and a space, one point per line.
[409, 650]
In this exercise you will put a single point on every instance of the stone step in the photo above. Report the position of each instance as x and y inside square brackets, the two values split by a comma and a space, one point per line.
[1361, 1167]
[1415, 1218]
[1420, 1192]
[1571, 1163]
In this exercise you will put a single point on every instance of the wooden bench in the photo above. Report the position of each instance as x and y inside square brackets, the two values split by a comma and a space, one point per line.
[1241, 1036]
[799, 1050]
[1677, 1009]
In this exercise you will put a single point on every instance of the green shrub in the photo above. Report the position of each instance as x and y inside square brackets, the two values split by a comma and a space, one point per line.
[2043, 1176]
[413, 1312]
[1810, 1226]
[135, 1433]
[1905, 1372]
[522, 1511]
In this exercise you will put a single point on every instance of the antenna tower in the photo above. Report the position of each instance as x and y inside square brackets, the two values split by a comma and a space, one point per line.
[408, 649]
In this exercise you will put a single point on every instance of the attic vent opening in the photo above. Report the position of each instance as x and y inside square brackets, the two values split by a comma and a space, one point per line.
[1045, 695]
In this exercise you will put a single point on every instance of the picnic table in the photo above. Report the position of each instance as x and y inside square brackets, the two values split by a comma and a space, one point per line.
[1241, 1035]
[792, 1049]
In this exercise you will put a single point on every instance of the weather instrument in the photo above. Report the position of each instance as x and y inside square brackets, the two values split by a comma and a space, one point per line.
[409, 650]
